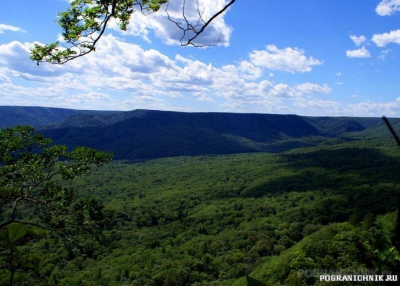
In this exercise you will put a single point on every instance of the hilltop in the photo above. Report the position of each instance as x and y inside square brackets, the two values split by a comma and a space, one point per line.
[149, 134]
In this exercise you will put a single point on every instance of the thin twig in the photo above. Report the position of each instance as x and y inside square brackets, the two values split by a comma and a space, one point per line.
[396, 238]
[389, 126]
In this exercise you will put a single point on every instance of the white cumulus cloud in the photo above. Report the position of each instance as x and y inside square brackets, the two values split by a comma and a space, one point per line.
[358, 40]
[359, 53]
[312, 88]
[288, 59]
[284, 90]
[4, 27]
[388, 7]
[384, 39]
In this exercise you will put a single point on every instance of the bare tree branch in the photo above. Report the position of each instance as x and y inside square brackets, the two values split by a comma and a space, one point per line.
[198, 28]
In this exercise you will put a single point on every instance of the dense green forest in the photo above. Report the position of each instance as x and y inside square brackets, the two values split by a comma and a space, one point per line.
[211, 220]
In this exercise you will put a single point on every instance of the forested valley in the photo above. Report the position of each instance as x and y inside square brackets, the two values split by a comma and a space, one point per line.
[207, 198]
[281, 218]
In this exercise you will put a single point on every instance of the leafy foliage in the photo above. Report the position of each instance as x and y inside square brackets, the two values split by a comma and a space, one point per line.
[253, 282]
[33, 194]
[84, 23]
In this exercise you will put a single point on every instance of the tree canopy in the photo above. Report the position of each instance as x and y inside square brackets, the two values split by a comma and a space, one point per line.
[34, 198]
[84, 23]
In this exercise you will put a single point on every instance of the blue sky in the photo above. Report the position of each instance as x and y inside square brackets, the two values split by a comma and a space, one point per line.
[309, 57]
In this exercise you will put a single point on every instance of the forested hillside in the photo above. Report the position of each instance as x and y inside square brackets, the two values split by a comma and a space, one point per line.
[324, 198]
[40, 116]
[212, 220]
[35, 116]
[156, 134]
[149, 134]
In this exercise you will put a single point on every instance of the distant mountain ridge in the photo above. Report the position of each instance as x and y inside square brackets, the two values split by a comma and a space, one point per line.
[146, 134]
[41, 116]
[155, 134]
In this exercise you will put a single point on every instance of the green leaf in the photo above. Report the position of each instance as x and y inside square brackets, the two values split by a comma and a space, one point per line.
[253, 282]
[384, 255]
[16, 231]
[14, 249]
[30, 265]
[4, 238]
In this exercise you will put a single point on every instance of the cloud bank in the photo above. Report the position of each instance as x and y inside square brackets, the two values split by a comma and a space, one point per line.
[124, 76]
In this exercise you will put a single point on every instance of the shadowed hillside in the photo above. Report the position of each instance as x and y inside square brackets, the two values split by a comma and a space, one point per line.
[39, 116]
[156, 134]
[147, 134]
